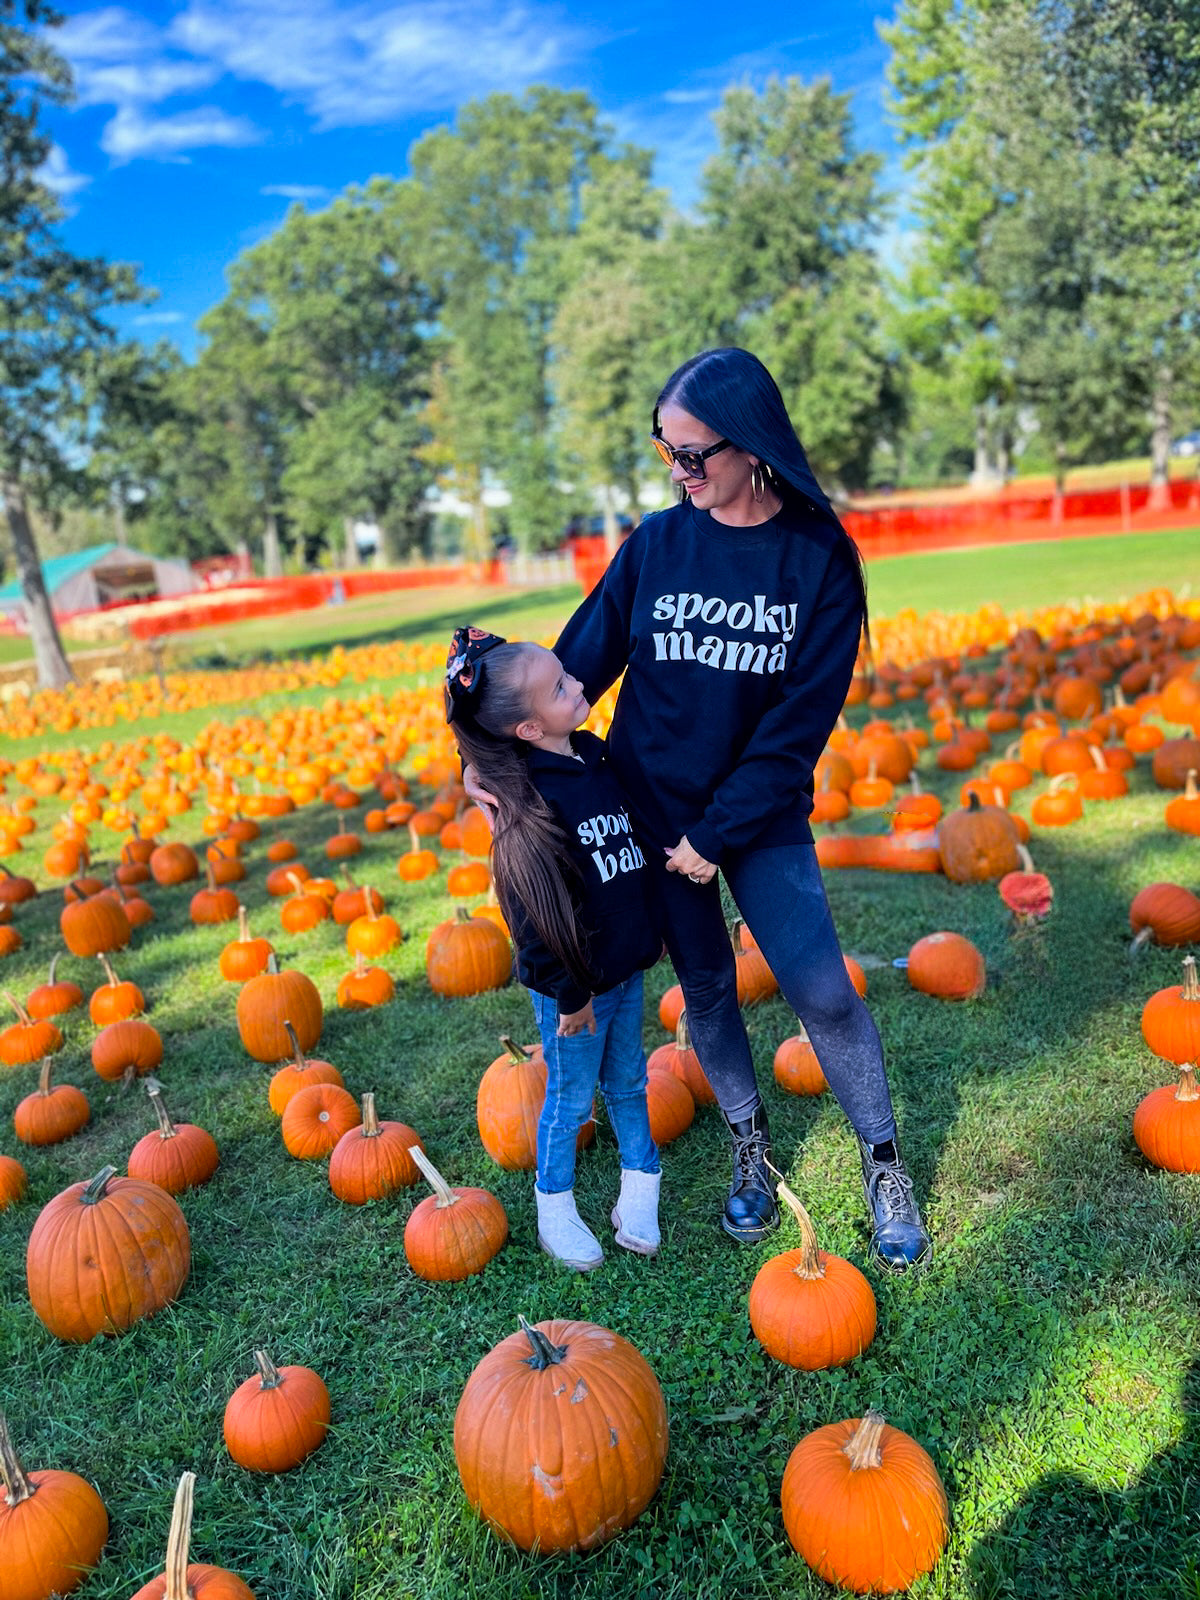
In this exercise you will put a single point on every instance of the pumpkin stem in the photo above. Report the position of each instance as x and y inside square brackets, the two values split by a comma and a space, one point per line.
[1188, 1088]
[809, 1265]
[212, 882]
[16, 1484]
[291, 1033]
[973, 801]
[243, 924]
[1025, 858]
[1140, 939]
[1061, 780]
[370, 1121]
[95, 1189]
[412, 834]
[360, 966]
[516, 1051]
[295, 883]
[369, 897]
[178, 1539]
[864, 1448]
[166, 1127]
[267, 1370]
[683, 1034]
[1190, 988]
[1190, 789]
[463, 914]
[544, 1354]
[47, 1066]
[445, 1194]
[53, 966]
[108, 969]
[22, 1014]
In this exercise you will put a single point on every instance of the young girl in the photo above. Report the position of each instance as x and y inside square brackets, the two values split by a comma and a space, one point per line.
[572, 885]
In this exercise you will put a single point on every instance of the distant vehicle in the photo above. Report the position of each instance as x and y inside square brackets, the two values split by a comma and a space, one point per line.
[1189, 445]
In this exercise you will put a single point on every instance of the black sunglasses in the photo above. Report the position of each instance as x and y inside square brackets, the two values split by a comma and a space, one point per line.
[692, 461]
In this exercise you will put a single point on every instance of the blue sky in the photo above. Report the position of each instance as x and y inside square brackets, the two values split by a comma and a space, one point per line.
[197, 125]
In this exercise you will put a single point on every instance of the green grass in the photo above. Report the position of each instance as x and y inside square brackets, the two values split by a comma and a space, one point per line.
[1047, 1360]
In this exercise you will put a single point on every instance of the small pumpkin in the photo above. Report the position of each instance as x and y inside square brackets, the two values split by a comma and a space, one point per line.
[948, 966]
[213, 904]
[373, 1160]
[508, 1104]
[755, 980]
[371, 933]
[864, 1505]
[679, 1059]
[126, 1049]
[810, 1309]
[354, 901]
[302, 911]
[797, 1069]
[452, 1233]
[52, 1113]
[315, 1118]
[54, 997]
[172, 864]
[277, 1418]
[105, 1253]
[977, 843]
[245, 957]
[1167, 913]
[195, 1580]
[670, 1007]
[1171, 1019]
[548, 1394]
[12, 1181]
[94, 926]
[177, 1156]
[670, 1105]
[1183, 813]
[416, 863]
[297, 1074]
[271, 999]
[53, 1527]
[467, 956]
[27, 1039]
[364, 987]
[1166, 1124]
[116, 999]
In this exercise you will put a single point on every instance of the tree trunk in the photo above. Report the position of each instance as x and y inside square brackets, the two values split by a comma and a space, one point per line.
[1060, 480]
[245, 566]
[983, 465]
[272, 564]
[635, 505]
[350, 552]
[1160, 439]
[610, 522]
[118, 509]
[53, 668]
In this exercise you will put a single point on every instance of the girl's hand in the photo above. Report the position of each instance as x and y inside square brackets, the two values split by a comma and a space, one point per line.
[481, 797]
[576, 1021]
[684, 859]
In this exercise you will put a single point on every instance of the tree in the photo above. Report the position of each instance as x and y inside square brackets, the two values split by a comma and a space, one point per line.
[52, 306]
[342, 313]
[790, 208]
[500, 197]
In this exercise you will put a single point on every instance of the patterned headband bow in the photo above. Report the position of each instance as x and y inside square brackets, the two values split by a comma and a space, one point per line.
[465, 666]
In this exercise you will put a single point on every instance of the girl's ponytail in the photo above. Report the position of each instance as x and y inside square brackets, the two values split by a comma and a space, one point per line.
[530, 858]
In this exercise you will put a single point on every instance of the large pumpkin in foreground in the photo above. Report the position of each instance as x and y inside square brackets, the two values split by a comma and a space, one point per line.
[864, 1505]
[53, 1526]
[105, 1253]
[561, 1436]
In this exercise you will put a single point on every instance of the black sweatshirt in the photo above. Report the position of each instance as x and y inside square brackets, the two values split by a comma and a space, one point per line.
[618, 932]
[738, 646]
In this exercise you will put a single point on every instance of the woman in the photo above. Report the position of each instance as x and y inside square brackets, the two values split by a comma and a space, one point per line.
[736, 618]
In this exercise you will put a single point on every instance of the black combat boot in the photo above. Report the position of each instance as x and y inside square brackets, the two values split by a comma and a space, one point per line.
[898, 1237]
[750, 1212]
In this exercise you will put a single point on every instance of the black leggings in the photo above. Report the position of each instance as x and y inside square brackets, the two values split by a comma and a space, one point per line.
[779, 891]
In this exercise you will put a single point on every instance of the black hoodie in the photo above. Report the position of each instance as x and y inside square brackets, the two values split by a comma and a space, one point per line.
[612, 907]
[737, 646]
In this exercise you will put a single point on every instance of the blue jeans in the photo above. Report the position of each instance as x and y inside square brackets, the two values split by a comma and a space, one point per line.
[575, 1063]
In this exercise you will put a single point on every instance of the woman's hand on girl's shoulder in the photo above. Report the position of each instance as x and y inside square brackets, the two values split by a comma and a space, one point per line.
[485, 801]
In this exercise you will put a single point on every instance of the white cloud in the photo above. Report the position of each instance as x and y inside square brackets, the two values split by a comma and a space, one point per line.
[131, 134]
[365, 64]
[109, 34]
[55, 172]
[141, 82]
[689, 97]
[295, 191]
[155, 319]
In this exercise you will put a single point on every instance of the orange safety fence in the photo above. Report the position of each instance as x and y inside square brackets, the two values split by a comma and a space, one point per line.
[269, 597]
[1005, 518]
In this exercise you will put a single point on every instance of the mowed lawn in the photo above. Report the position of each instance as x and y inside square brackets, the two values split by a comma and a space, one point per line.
[1047, 1360]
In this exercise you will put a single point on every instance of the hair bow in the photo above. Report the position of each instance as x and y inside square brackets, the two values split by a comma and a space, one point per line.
[465, 666]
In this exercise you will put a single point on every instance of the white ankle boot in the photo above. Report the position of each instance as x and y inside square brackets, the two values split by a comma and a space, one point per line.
[563, 1234]
[635, 1215]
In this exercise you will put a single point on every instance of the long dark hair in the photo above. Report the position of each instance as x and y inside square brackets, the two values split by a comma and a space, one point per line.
[529, 851]
[731, 392]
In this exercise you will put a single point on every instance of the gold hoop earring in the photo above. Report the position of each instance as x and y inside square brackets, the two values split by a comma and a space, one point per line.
[758, 483]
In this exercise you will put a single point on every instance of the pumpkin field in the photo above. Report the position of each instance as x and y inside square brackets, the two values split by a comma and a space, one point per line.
[250, 961]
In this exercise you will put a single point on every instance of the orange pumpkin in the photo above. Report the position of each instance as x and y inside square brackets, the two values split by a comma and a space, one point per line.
[797, 1069]
[374, 1159]
[452, 1233]
[276, 1419]
[508, 1104]
[297, 1074]
[195, 1580]
[271, 1000]
[681, 1061]
[948, 966]
[53, 1527]
[177, 1155]
[52, 1113]
[315, 1118]
[467, 956]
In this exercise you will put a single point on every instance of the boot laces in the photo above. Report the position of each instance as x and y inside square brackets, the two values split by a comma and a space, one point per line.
[749, 1158]
[890, 1191]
